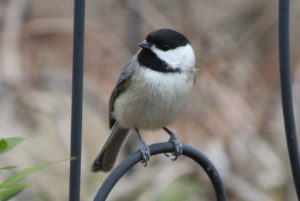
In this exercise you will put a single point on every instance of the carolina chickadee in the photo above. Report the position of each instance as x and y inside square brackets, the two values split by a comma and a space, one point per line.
[151, 91]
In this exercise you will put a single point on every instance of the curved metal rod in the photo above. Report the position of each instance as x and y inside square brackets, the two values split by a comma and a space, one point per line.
[159, 148]
[286, 92]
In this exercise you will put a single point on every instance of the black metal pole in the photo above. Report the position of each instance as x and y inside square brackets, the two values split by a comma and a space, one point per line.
[166, 147]
[77, 90]
[286, 92]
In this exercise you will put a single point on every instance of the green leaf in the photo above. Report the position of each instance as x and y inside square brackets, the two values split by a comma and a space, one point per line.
[10, 143]
[12, 186]
[10, 193]
[8, 167]
[3, 145]
[21, 175]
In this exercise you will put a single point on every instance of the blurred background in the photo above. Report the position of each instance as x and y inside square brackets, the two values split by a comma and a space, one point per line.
[234, 115]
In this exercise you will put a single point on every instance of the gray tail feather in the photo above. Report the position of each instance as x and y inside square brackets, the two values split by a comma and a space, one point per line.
[107, 156]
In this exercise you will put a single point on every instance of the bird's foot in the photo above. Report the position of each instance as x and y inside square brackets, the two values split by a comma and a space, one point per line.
[144, 150]
[177, 143]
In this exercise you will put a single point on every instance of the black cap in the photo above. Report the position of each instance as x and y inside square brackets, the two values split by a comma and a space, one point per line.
[166, 39]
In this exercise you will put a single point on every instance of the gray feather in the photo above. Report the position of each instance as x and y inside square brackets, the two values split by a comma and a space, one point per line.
[107, 156]
[121, 86]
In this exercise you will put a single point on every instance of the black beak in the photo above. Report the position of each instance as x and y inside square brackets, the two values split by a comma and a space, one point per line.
[145, 45]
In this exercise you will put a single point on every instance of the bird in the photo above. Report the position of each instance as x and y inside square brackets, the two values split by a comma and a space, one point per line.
[152, 90]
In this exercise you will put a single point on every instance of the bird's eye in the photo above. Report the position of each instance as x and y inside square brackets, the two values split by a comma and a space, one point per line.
[165, 47]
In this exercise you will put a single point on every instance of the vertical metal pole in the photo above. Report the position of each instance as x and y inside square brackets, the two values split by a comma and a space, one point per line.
[77, 88]
[286, 92]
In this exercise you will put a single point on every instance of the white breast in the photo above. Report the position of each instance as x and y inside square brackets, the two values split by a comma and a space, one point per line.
[153, 100]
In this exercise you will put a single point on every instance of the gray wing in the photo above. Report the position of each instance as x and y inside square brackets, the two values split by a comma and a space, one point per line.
[122, 84]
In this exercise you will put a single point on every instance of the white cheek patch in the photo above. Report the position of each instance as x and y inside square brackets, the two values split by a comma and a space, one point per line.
[182, 57]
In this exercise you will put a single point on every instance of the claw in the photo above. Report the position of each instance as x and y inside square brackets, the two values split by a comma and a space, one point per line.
[144, 150]
[167, 155]
[145, 153]
[177, 143]
[178, 147]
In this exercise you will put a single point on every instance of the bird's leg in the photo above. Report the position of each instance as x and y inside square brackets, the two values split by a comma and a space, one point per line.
[177, 143]
[144, 149]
